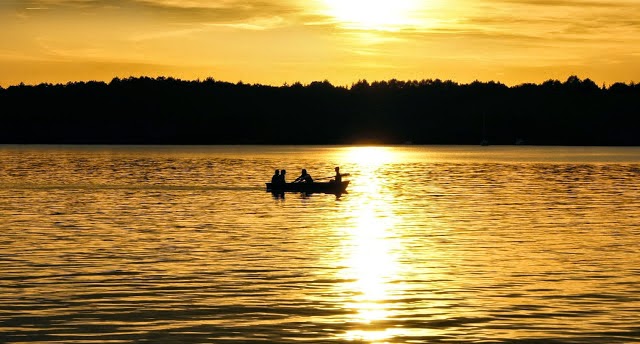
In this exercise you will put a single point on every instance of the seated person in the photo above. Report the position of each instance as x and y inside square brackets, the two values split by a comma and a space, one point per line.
[304, 177]
[276, 177]
[282, 177]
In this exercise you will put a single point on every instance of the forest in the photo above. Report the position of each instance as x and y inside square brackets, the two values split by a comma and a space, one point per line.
[164, 110]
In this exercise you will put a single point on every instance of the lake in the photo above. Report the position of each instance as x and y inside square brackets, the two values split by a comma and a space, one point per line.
[431, 244]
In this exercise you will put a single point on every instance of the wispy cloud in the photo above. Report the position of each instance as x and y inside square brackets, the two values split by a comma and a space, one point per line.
[178, 11]
[569, 3]
[218, 12]
[552, 20]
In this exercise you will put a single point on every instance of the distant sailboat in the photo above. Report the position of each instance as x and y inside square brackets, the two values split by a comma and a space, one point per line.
[484, 141]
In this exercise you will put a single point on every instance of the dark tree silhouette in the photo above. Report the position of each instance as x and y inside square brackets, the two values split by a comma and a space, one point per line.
[165, 110]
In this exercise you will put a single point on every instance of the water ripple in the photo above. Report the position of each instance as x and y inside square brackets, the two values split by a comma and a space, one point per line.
[432, 244]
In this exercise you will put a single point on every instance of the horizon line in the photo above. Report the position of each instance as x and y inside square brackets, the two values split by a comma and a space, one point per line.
[287, 84]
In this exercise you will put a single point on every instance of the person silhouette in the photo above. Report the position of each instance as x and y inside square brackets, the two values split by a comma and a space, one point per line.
[282, 176]
[275, 179]
[338, 177]
[304, 177]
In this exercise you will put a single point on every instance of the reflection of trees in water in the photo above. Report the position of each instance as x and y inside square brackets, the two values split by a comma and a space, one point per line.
[168, 110]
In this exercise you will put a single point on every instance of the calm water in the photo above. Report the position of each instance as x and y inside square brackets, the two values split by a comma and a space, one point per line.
[430, 245]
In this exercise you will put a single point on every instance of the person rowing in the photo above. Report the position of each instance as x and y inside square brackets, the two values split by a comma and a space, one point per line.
[338, 177]
[304, 177]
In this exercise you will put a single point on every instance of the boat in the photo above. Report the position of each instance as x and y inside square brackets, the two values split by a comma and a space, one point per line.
[315, 187]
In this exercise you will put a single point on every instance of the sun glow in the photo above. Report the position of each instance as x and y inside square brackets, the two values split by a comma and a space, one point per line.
[370, 157]
[385, 15]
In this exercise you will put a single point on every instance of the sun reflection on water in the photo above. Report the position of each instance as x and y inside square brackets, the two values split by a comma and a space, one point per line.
[368, 158]
[370, 249]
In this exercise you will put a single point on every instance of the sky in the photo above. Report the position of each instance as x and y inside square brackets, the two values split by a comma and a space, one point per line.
[276, 42]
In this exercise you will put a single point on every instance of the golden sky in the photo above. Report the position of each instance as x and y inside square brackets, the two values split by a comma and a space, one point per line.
[284, 41]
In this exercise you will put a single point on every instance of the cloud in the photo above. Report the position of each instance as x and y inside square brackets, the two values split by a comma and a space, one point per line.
[568, 3]
[228, 11]
[563, 20]
[176, 11]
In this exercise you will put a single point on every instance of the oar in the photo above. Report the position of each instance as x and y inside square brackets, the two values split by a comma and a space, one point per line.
[322, 178]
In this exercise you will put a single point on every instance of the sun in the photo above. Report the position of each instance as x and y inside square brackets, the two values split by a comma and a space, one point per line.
[385, 15]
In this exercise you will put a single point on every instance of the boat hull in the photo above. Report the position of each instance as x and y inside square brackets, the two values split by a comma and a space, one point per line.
[316, 187]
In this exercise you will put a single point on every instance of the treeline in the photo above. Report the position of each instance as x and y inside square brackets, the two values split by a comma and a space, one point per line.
[171, 111]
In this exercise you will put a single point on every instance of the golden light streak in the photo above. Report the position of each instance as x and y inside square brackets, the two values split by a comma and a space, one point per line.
[370, 250]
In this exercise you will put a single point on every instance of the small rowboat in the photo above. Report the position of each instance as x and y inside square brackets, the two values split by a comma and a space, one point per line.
[315, 187]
